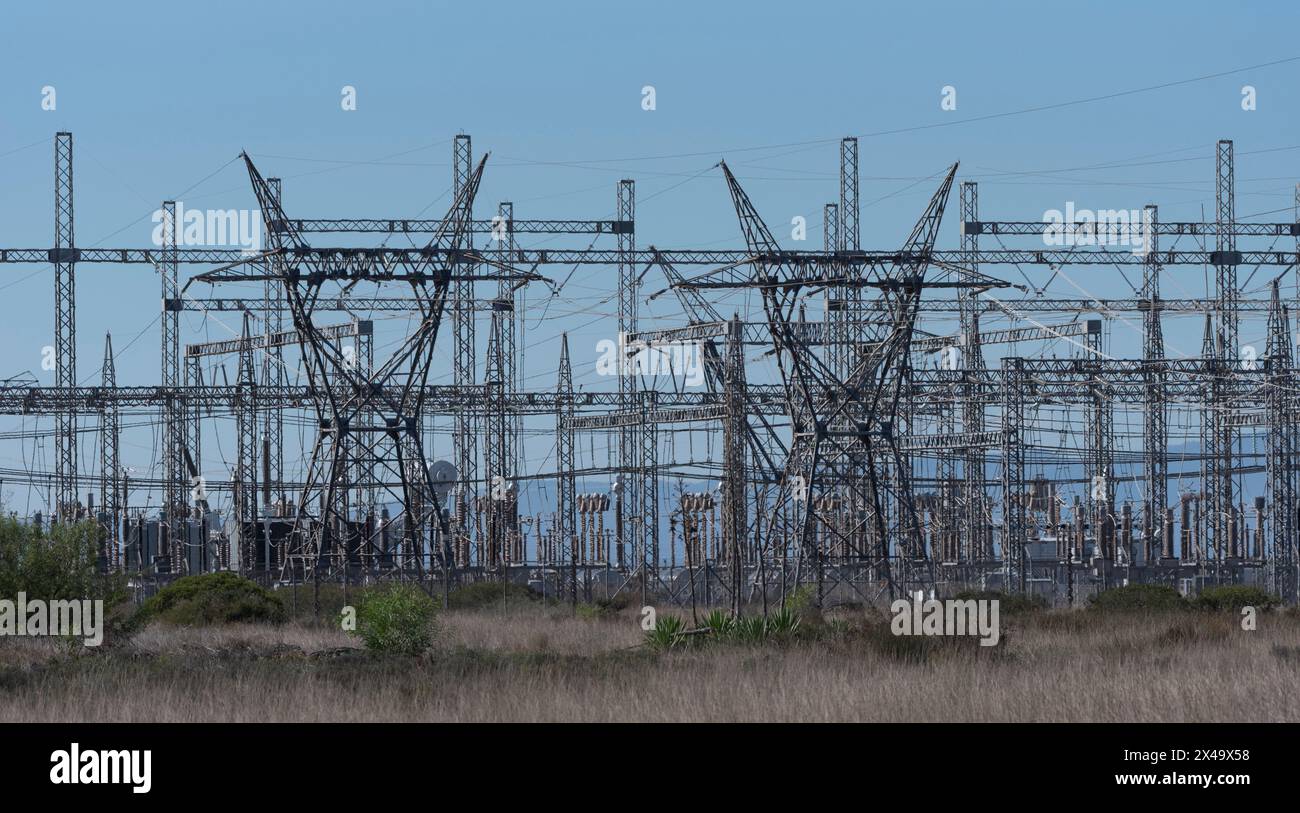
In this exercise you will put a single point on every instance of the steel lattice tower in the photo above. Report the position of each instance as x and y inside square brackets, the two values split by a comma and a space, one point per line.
[174, 491]
[274, 372]
[823, 460]
[109, 459]
[246, 450]
[1155, 434]
[977, 519]
[1212, 422]
[465, 429]
[1226, 260]
[566, 497]
[631, 452]
[1282, 448]
[502, 437]
[65, 329]
[850, 232]
[1013, 473]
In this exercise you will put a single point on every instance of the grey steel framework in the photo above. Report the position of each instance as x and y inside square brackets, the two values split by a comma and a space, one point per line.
[869, 450]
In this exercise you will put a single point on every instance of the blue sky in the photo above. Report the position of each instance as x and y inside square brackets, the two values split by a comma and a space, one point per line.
[161, 97]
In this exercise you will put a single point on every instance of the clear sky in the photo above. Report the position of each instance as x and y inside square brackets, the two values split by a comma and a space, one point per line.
[161, 97]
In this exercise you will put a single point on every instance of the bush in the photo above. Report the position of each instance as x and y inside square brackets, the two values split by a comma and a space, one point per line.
[802, 599]
[720, 624]
[1138, 597]
[62, 564]
[213, 598]
[479, 595]
[780, 626]
[668, 633]
[397, 619]
[1008, 603]
[749, 629]
[1234, 597]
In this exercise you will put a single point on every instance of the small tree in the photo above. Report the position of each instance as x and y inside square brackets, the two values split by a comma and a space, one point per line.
[62, 564]
[398, 619]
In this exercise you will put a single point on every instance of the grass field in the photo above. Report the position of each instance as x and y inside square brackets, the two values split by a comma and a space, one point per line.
[545, 664]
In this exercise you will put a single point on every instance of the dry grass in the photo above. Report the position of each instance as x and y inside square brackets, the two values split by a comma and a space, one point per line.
[537, 664]
[530, 629]
[262, 639]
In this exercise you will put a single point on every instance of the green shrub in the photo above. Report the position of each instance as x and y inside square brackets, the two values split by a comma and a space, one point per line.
[779, 627]
[719, 624]
[1234, 597]
[802, 599]
[212, 598]
[478, 595]
[61, 564]
[397, 619]
[782, 625]
[668, 633]
[750, 629]
[1008, 603]
[1138, 597]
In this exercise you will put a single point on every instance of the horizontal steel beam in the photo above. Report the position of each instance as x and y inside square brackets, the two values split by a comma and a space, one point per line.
[1109, 228]
[615, 420]
[983, 305]
[397, 225]
[381, 258]
[953, 440]
[810, 333]
[932, 344]
[438, 398]
[359, 327]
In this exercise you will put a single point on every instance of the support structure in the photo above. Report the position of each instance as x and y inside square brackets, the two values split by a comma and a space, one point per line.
[1283, 446]
[110, 465]
[1155, 434]
[175, 504]
[64, 256]
[565, 520]
[465, 430]
[865, 448]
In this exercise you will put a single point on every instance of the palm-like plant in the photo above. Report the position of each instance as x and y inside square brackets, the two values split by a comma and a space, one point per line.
[783, 624]
[719, 624]
[668, 633]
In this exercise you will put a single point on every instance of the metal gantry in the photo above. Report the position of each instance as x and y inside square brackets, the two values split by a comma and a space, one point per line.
[879, 453]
